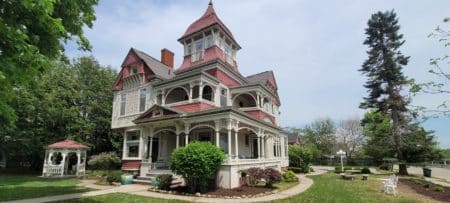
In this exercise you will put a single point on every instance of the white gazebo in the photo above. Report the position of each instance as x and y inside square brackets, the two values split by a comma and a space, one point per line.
[65, 158]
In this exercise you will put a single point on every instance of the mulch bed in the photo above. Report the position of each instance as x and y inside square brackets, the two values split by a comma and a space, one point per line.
[427, 189]
[240, 191]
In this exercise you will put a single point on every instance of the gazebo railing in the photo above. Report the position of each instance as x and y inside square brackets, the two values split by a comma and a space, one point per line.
[81, 170]
[53, 170]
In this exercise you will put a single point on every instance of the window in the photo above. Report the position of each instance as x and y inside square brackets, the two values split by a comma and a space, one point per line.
[209, 41]
[157, 112]
[266, 104]
[142, 98]
[247, 139]
[199, 45]
[223, 97]
[133, 70]
[207, 93]
[123, 102]
[188, 49]
[132, 143]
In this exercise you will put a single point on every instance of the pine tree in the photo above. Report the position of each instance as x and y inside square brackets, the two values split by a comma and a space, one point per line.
[383, 69]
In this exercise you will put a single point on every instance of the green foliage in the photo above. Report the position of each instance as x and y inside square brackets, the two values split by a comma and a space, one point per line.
[346, 168]
[295, 169]
[165, 180]
[33, 33]
[320, 136]
[338, 169]
[427, 185]
[290, 176]
[365, 170]
[377, 129]
[114, 176]
[446, 153]
[300, 157]
[104, 161]
[66, 101]
[384, 166]
[439, 189]
[196, 163]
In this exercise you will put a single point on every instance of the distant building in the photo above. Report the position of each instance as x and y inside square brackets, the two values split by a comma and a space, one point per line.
[293, 138]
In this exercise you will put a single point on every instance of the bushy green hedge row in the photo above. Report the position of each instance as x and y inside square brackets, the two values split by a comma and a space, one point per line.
[300, 157]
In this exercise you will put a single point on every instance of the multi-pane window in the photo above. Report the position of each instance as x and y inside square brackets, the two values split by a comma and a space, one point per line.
[188, 49]
[133, 70]
[223, 97]
[198, 45]
[123, 103]
[132, 143]
[142, 98]
[209, 41]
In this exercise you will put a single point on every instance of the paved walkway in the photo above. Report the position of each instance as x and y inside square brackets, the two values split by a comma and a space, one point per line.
[141, 190]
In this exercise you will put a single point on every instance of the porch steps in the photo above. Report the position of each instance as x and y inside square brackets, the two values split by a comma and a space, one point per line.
[147, 180]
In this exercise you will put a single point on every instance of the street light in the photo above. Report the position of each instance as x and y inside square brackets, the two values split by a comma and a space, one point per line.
[341, 154]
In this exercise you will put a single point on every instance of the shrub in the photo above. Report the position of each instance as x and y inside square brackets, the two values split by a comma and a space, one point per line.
[426, 185]
[104, 161]
[165, 180]
[295, 169]
[346, 168]
[338, 169]
[300, 157]
[439, 189]
[290, 176]
[271, 176]
[244, 173]
[365, 170]
[114, 176]
[255, 174]
[197, 163]
[384, 167]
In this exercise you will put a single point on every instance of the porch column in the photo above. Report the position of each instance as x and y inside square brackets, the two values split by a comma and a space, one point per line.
[258, 100]
[217, 138]
[263, 147]
[200, 91]
[229, 143]
[186, 133]
[177, 141]
[163, 98]
[236, 151]
[124, 146]
[150, 149]
[190, 92]
[141, 144]
[259, 146]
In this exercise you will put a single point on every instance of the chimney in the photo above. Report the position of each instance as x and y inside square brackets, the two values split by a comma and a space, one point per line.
[167, 57]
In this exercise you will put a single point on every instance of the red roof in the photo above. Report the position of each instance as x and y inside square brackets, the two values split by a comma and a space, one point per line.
[208, 19]
[67, 144]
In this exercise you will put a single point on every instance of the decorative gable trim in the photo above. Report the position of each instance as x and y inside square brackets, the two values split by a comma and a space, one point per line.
[156, 111]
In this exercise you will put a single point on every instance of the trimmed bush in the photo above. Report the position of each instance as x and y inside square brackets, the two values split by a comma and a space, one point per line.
[300, 157]
[197, 163]
[104, 161]
[365, 170]
[271, 176]
[338, 169]
[346, 168]
[384, 167]
[295, 169]
[165, 180]
[114, 176]
[255, 174]
[289, 177]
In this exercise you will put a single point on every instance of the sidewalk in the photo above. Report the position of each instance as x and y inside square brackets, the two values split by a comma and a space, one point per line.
[141, 190]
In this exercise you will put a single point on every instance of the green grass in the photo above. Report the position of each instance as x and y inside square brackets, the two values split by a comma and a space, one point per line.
[13, 187]
[331, 188]
[121, 197]
[284, 185]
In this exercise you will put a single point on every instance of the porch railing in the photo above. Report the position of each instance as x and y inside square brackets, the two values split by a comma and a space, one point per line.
[160, 165]
[53, 170]
[197, 56]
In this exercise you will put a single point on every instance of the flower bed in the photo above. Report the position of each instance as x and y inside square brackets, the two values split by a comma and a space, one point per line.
[235, 193]
[428, 189]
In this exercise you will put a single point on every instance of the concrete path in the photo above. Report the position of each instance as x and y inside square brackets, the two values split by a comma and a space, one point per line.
[441, 173]
[141, 190]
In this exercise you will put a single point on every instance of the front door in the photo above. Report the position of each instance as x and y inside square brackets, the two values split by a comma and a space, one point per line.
[155, 150]
[255, 148]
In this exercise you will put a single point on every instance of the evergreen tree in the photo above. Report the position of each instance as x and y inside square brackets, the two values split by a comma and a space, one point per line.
[383, 69]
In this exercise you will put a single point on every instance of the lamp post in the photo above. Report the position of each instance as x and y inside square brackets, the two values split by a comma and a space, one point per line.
[341, 154]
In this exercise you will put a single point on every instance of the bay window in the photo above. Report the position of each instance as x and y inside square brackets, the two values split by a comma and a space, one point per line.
[132, 144]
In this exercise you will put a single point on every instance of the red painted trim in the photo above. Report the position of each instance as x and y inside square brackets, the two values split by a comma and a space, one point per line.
[193, 107]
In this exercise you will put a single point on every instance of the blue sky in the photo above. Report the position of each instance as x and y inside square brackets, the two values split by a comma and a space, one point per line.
[314, 47]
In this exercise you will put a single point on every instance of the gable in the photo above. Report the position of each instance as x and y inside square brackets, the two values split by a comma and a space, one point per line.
[156, 111]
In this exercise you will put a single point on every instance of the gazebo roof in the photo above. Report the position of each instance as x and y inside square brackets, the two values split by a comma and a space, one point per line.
[67, 144]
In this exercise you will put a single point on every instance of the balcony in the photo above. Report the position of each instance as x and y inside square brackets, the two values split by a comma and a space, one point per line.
[197, 56]
[229, 59]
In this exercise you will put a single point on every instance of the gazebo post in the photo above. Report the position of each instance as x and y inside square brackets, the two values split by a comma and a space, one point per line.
[78, 162]
[44, 170]
[63, 162]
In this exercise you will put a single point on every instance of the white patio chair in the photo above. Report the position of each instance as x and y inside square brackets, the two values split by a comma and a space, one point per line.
[390, 185]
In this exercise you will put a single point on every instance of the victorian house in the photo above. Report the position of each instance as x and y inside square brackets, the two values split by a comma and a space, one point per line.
[159, 108]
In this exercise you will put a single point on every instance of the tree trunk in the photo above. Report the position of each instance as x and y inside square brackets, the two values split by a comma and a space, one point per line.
[402, 169]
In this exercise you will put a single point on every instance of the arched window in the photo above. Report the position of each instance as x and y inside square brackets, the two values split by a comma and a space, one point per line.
[244, 101]
[207, 93]
[176, 95]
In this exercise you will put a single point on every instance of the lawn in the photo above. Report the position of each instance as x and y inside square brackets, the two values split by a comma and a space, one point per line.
[121, 197]
[13, 187]
[331, 188]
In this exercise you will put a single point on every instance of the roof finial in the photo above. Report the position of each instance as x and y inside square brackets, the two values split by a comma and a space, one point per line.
[210, 2]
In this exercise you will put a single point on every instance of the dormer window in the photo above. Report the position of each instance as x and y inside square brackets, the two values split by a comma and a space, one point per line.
[133, 69]
[199, 45]
[209, 41]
